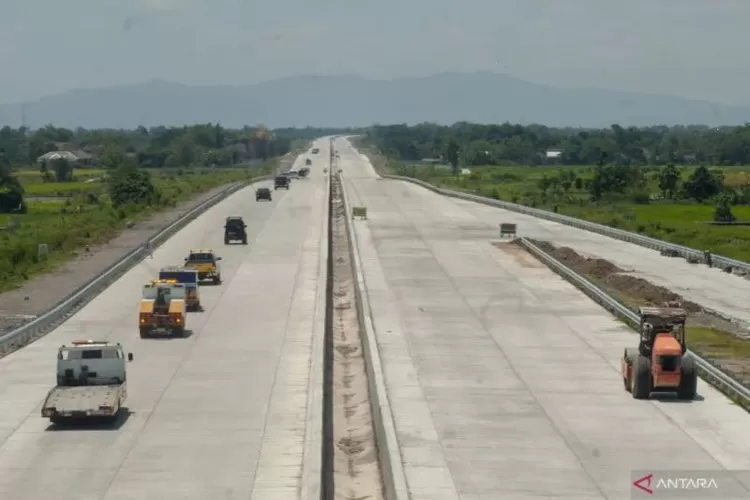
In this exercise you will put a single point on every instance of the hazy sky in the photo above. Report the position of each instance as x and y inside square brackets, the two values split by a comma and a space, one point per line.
[692, 48]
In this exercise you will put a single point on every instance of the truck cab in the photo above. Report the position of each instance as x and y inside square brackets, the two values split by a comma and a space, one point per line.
[163, 309]
[91, 381]
[206, 262]
[187, 277]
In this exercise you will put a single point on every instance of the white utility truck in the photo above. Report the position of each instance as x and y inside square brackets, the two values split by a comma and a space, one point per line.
[91, 382]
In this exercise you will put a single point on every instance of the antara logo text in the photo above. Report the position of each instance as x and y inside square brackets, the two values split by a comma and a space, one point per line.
[649, 484]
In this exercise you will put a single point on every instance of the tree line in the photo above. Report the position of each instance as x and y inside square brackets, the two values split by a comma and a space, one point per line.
[508, 144]
[126, 153]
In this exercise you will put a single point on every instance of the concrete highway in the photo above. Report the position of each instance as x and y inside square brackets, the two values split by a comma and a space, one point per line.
[503, 378]
[232, 411]
[708, 287]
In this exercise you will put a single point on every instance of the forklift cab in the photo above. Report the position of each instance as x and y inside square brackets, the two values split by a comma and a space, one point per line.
[661, 320]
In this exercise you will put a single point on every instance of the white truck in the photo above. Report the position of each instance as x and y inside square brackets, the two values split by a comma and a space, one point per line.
[91, 382]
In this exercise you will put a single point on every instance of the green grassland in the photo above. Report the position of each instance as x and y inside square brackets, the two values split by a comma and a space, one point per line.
[679, 221]
[68, 216]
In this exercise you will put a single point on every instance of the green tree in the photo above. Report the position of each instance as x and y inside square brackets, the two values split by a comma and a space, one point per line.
[702, 185]
[452, 154]
[723, 212]
[112, 156]
[669, 178]
[11, 190]
[128, 185]
[62, 169]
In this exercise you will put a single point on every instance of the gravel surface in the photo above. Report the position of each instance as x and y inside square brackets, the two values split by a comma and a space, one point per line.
[43, 292]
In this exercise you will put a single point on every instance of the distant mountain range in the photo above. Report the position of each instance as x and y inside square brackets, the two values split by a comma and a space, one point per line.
[336, 101]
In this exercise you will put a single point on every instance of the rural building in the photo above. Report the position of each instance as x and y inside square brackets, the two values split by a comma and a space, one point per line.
[553, 156]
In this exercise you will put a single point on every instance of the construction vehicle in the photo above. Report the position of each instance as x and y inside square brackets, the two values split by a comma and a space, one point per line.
[189, 278]
[206, 262]
[234, 230]
[660, 363]
[163, 309]
[91, 382]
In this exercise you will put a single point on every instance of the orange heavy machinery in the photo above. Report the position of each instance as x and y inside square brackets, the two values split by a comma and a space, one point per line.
[660, 363]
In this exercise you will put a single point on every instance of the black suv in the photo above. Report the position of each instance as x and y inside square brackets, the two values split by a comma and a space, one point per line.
[234, 230]
[281, 181]
[262, 194]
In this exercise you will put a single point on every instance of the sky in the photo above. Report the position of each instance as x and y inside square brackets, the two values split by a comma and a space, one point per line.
[689, 48]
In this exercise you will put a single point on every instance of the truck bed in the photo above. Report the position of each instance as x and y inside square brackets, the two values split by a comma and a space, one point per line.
[82, 401]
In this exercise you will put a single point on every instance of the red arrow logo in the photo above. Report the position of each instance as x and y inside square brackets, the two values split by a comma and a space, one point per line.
[644, 484]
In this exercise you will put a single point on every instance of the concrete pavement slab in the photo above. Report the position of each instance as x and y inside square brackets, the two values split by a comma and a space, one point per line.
[504, 371]
[214, 415]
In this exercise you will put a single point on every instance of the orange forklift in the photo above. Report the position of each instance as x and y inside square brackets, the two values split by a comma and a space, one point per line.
[660, 363]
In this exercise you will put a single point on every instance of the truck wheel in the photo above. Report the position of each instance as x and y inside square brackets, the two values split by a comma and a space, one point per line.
[57, 420]
[642, 385]
[688, 379]
[144, 333]
[217, 280]
[178, 332]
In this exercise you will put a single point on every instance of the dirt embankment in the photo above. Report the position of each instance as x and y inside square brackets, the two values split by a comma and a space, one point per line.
[356, 468]
[709, 335]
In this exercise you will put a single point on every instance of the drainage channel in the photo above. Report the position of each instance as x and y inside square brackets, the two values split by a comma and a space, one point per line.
[351, 469]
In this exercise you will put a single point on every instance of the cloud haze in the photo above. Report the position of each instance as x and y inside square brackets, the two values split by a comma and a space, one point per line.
[689, 48]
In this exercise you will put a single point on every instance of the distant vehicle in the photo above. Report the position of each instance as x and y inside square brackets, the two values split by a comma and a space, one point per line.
[308, 162]
[294, 174]
[234, 230]
[304, 172]
[91, 382]
[206, 262]
[189, 278]
[281, 182]
[315, 151]
[163, 309]
[263, 194]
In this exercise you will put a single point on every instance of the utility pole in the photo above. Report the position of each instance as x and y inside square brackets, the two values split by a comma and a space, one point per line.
[25, 148]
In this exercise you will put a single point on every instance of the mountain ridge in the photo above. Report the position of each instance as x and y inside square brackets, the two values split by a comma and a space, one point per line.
[352, 100]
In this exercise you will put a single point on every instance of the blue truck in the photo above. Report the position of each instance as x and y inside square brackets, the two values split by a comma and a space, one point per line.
[189, 278]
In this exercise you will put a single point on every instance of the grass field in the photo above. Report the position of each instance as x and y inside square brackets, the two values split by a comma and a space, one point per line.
[684, 223]
[84, 215]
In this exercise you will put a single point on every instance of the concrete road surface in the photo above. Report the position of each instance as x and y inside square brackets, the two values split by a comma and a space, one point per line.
[708, 287]
[503, 378]
[227, 413]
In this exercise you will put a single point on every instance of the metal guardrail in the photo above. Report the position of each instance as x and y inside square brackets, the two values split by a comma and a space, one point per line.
[719, 261]
[63, 310]
[708, 370]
